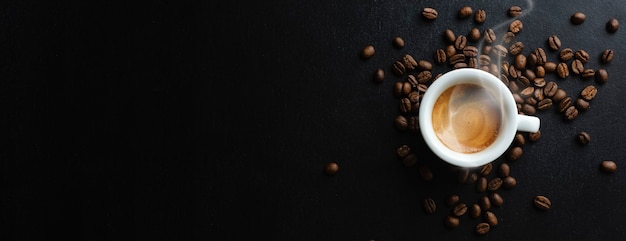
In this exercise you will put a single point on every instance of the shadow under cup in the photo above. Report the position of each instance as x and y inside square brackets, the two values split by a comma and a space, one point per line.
[510, 123]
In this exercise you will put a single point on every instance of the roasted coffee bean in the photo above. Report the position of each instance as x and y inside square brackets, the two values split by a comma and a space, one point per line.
[409, 160]
[379, 75]
[405, 105]
[472, 62]
[422, 88]
[472, 178]
[451, 221]
[440, 56]
[513, 85]
[612, 25]
[583, 138]
[401, 123]
[515, 11]
[457, 58]
[470, 51]
[516, 26]
[582, 105]
[487, 49]
[565, 103]
[452, 200]
[494, 184]
[578, 18]
[549, 67]
[474, 35]
[518, 99]
[449, 36]
[409, 62]
[508, 37]
[504, 170]
[540, 71]
[485, 203]
[534, 136]
[429, 205]
[520, 61]
[414, 122]
[490, 35]
[412, 80]
[516, 48]
[514, 153]
[530, 74]
[398, 42]
[459, 209]
[504, 79]
[519, 139]
[495, 199]
[571, 113]
[482, 228]
[481, 184]
[398, 68]
[406, 88]
[601, 76]
[429, 13]
[589, 92]
[562, 70]
[532, 59]
[480, 16]
[463, 175]
[538, 95]
[500, 51]
[367, 52]
[484, 59]
[460, 65]
[424, 76]
[424, 64]
[554, 42]
[542, 203]
[531, 101]
[541, 56]
[465, 12]
[397, 88]
[539, 83]
[415, 108]
[544, 104]
[491, 218]
[509, 182]
[514, 72]
[486, 169]
[559, 95]
[403, 150]
[566, 54]
[425, 173]
[450, 51]
[331, 169]
[527, 92]
[582, 55]
[607, 55]
[608, 166]
[475, 211]
[577, 66]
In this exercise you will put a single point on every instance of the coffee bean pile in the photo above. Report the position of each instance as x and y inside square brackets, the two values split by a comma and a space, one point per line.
[532, 78]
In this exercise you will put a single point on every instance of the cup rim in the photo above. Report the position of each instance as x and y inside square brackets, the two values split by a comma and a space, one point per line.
[507, 130]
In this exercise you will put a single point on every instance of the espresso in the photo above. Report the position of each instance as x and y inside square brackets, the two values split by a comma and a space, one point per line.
[467, 118]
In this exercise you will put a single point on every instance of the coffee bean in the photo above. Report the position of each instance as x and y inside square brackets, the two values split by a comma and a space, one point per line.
[589, 92]
[451, 221]
[516, 26]
[601, 76]
[490, 35]
[578, 18]
[607, 55]
[480, 16]
[542, 203]
[379, 75]
[398, 42]
[429, 13]
[530, 101]
[474, 35]
[534, 136]
[459, 209]
[457, 58]
[532, 59]
[549, 67]
[518, 99]
[415, 110]
[519, 139]
[504, 170]
[397, 88]
[577, 66]
[565, 103]
[484, 59]
[414, 120]
[528, 91]
[566, 54]
[582, 55]
[544, 104]
[562, 70]
[409, 160]
[540, 71]
[485, 203]
[541, 56]
[470, 51]
[405, 105]
[494, 184]
[482, 228]
[582, 105]
[465, 12]
[424, 64]
[409, 62]
[559, 95]
[472, 178]
[530, 74]
[508, 37]
[425, 173]
[429, 205]
[516, 48]
[449, 36]
[495, 199]
[406, 88]
[367, 52]
[450, 51]
[514, 72]
[452, 200]
[520, 61]
[539, 83]
[486, 169]
[571, 113]
[398, 68]
[481, 184]
[475, 211]
[608, 166]
[331, 169]
[401, 123]
[515, 11]
[509, 182]
[463, 175]
[491, 218]
[403, 150]
[440, 56]
[554, 42]
[514, 153]
[583, 138]
[612, 25]
[424, 76]
[422, 88]
[412, 80]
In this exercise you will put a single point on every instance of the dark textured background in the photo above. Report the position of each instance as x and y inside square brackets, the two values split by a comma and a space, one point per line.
[203, 121]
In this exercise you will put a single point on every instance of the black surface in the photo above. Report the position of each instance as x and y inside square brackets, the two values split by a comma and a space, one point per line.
[202, 121]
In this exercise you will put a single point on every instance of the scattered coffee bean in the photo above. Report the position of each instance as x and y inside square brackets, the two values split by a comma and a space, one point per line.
[465, 12]
[559, 95]
[491, 218]
[485, 203]
[549, 67]
[495, 199]
[601, 76]
[449, 36]
[550, 89]
[534, 136]
[429, 13]
[482, 228]
[514, 153]
[494, 184]
[367, 52]
[577, 67]
[425, 173]
[474, 35]
[566, 54]
[571, 113]
[472, 178]
[504, 170]
[539, 83]
[470, 51]
[607, 56]
[508, 37]
[459, 209]
[500, 51]
[554, 42]
[481, 184]
[490, 35]
[406, 88]
[457, 58]
[440, 56]
[562, 70]
[520, 61]
[452, 221]
[409, 62]
[409, 160]
[429, 205]
[509, 182]
[529, 109]
[516, 48]
[583, 138]
[460, 42]
[578, 18]
[480, 16]
[516, 26]
[608, 166]
[486, 169]
[612, 25]
[589, 92]
[582, 55]
[544, 104]
[398, 42]
[401, 123]
[405, 105]
[331, 169]
[541, 56]
[588, 73]
[475, 211]
[398, 68]
[515, 11]
[542, 203]
[379, 75]
[452, 200]
[403, 150]
[565, 103]
[582, 104]
[540, 71]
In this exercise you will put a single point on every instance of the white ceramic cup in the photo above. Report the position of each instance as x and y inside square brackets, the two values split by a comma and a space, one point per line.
[511, 120]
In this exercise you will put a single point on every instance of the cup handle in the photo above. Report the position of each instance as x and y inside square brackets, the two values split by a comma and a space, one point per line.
[527, 123]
